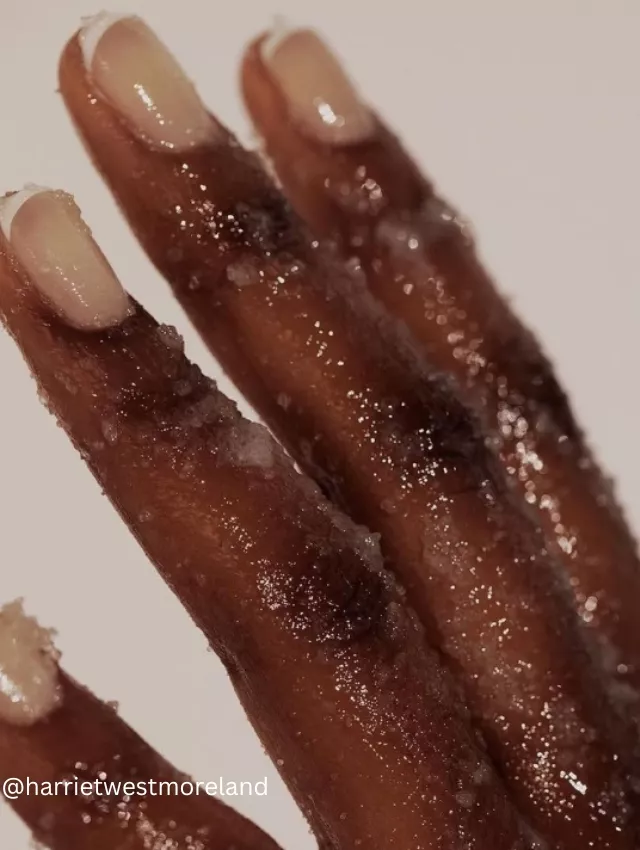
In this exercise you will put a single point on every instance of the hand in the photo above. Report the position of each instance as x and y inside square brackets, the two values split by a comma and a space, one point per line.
[486, 718]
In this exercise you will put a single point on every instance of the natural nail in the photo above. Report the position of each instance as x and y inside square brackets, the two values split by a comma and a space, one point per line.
[55, 247]
[29, 685]
[133, 70]
[320, 96]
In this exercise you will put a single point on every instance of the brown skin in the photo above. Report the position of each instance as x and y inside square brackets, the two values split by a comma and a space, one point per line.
[85, 739]
[359, 410]
[362, 197]
[331, 667]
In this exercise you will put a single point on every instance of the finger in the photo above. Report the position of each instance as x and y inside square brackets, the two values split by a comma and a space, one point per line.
[357, 409]
[80, 778]
[361, 189]
[334, 673]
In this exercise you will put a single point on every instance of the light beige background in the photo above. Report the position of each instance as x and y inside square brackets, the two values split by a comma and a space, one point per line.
[527, 114]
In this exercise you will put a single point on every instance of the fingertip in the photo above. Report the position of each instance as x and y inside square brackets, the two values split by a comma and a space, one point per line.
[262, 97]
[92, 31]
[47, 235]
[11, 203]
[321, 99]
[71, 69]
[252, 66]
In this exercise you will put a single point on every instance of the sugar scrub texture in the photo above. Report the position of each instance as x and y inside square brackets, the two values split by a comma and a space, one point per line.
[29, 681]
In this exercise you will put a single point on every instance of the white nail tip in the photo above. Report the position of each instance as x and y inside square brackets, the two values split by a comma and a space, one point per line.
[93, 30]
[10, 204]
[280, 32]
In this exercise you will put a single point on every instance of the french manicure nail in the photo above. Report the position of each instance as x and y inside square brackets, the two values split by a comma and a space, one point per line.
[55, 247]
[133, 70]
[320, 96]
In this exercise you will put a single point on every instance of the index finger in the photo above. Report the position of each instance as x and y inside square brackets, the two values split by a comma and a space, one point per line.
[357, 710]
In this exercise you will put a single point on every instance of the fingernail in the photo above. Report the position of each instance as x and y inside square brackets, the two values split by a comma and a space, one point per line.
[321, 98]
[29, 685]
[133, 70]
[55, 247]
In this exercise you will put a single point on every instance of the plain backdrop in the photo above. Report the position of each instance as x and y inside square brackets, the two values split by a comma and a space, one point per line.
[527, 115]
